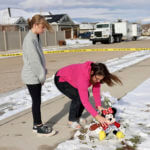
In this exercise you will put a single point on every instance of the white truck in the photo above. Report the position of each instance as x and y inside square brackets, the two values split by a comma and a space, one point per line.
[136, 31]
[108, 32]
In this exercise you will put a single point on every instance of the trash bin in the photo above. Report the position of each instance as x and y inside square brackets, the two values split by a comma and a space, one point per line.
[61, 43]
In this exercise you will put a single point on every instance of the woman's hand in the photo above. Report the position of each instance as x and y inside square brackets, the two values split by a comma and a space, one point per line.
[100, 108]
[103, 121]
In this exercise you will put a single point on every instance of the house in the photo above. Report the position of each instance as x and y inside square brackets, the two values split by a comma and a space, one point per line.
[86, 27]
[12, 20]
[146, 29]
[16, 19]
[63, 22]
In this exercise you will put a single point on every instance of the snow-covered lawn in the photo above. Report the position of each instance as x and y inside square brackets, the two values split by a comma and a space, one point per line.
[133, 110]
[134, 116]
[17, 101]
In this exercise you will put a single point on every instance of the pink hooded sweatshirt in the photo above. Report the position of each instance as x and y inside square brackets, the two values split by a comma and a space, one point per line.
[78, 75]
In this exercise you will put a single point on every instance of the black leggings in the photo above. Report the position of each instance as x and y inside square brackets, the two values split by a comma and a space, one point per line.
[35, 92]
[76, 107]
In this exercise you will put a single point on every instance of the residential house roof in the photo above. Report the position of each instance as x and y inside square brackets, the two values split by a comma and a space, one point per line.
[12, 16]
[86, 26]
[60, 19]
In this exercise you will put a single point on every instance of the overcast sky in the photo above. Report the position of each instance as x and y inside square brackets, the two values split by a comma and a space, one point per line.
[88, 10]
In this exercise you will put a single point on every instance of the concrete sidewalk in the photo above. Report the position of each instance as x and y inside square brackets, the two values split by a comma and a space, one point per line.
[16, 131]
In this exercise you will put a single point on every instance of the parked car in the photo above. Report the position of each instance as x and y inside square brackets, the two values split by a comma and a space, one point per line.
[85, 35]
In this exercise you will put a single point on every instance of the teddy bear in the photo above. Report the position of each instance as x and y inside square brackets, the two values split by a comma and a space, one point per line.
[109, 114]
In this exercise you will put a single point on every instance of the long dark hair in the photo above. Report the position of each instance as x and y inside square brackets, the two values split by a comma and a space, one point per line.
[101, 69]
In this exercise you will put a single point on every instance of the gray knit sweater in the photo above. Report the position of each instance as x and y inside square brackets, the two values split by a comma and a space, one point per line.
[33, 71]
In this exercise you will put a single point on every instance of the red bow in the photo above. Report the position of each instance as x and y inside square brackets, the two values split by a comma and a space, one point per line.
[108, 111]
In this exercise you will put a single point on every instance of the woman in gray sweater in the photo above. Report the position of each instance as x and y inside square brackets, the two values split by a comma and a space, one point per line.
[34, 70]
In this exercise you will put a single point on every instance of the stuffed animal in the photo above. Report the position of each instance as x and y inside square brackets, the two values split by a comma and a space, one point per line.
[109, 114]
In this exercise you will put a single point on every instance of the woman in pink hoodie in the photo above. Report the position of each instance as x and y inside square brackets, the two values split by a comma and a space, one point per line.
[74, 81]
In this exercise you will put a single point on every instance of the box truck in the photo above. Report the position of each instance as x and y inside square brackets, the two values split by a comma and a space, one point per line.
[136, 31]
[108, 32]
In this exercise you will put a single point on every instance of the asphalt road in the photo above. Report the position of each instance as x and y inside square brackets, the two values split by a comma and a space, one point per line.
[10, 68]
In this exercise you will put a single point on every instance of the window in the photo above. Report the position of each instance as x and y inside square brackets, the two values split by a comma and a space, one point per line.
[102, 26]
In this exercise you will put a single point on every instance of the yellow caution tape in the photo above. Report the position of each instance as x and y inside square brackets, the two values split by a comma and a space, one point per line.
[94, 50]
[80, 50]
[13, 54]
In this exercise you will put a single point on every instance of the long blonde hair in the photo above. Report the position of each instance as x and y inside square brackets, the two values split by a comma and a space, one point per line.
[39, 19]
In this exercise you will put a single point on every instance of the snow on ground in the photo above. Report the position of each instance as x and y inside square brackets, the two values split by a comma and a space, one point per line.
[70, 44]
[144, 38]
[78, 41]
[75, 43]
[133, 109]
[19, 100]
[133, 112]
